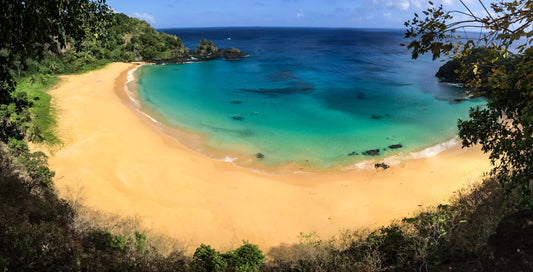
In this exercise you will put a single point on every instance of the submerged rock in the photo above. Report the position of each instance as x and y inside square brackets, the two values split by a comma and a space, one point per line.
[236, 102]
[352, 153]
[238, 118]
[297, 87]
[361, 96]
[282, 76]
[382, 165]
[259, 155]
[371, 152]
[376, 117]
[395, 146]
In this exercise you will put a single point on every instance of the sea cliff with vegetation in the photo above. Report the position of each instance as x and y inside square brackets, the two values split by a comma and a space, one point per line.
[480, 229]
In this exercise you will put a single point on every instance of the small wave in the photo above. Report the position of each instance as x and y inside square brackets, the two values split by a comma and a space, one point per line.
[434, 150]
[371, 164]
[148, 116]
[229, 159]
[129, 93]
[456, 85]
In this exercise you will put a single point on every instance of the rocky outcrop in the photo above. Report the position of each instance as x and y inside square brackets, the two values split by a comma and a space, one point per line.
[231, 54]
[205, 50]
[447, 72]
[208, 50]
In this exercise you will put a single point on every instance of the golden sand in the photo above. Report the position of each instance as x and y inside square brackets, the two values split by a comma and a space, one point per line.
[123, 163]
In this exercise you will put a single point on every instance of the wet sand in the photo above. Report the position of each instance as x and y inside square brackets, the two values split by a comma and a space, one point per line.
[123, 163]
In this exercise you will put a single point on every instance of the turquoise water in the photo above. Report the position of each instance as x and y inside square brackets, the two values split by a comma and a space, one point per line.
[304, 96]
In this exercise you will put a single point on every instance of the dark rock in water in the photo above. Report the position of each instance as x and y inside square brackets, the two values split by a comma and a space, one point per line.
[236, 102]
[447, 73]
[371, 152]
[382, 165]
[376, 117]
[238, 118]
[361, 96]
[259, 155]
[395, 146]
[512, 245]
[297, 87]
[459, 100]
[352, 154]
[231, 54]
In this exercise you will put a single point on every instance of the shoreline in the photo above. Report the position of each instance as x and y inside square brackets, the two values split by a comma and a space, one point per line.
[194, 141]
[123, 163]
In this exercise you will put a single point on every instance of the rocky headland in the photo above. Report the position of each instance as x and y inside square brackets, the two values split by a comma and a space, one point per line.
[208, 50]
[205, 50]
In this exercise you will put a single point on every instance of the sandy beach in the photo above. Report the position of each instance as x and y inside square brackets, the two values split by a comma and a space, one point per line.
[123, 163]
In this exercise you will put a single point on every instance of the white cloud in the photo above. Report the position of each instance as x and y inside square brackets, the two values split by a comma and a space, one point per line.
[300, 14]
[387, 14]
[418, 3]
[145, 16]
[397, 4]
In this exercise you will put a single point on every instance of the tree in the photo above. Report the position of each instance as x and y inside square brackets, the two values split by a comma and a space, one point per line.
[30, 29]
[504, 127]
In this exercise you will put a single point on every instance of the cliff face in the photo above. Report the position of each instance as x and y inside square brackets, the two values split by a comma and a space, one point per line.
[447, 72]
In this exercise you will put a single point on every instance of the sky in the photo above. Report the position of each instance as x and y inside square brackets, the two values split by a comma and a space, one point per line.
[289, 13]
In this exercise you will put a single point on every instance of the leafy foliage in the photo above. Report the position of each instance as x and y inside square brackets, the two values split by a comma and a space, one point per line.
[504, 128]
[247, 258]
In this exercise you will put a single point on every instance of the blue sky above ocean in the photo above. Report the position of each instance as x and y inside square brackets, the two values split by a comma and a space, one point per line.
[293, 13]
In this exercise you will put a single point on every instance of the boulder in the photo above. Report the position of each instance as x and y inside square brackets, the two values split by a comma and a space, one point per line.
[382, 165]
[238, 118]
[259, 155]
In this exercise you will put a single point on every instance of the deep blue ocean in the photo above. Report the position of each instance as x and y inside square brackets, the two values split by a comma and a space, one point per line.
[308, 97]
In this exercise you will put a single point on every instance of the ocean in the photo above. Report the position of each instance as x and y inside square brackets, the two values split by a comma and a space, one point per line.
[304, 99]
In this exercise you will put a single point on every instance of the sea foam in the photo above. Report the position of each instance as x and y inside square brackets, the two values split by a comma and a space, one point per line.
[129, 93]
[434, 150]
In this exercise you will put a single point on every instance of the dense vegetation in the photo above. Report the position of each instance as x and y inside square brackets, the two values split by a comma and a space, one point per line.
[42, 39]
[504, 128]
[38, 231]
